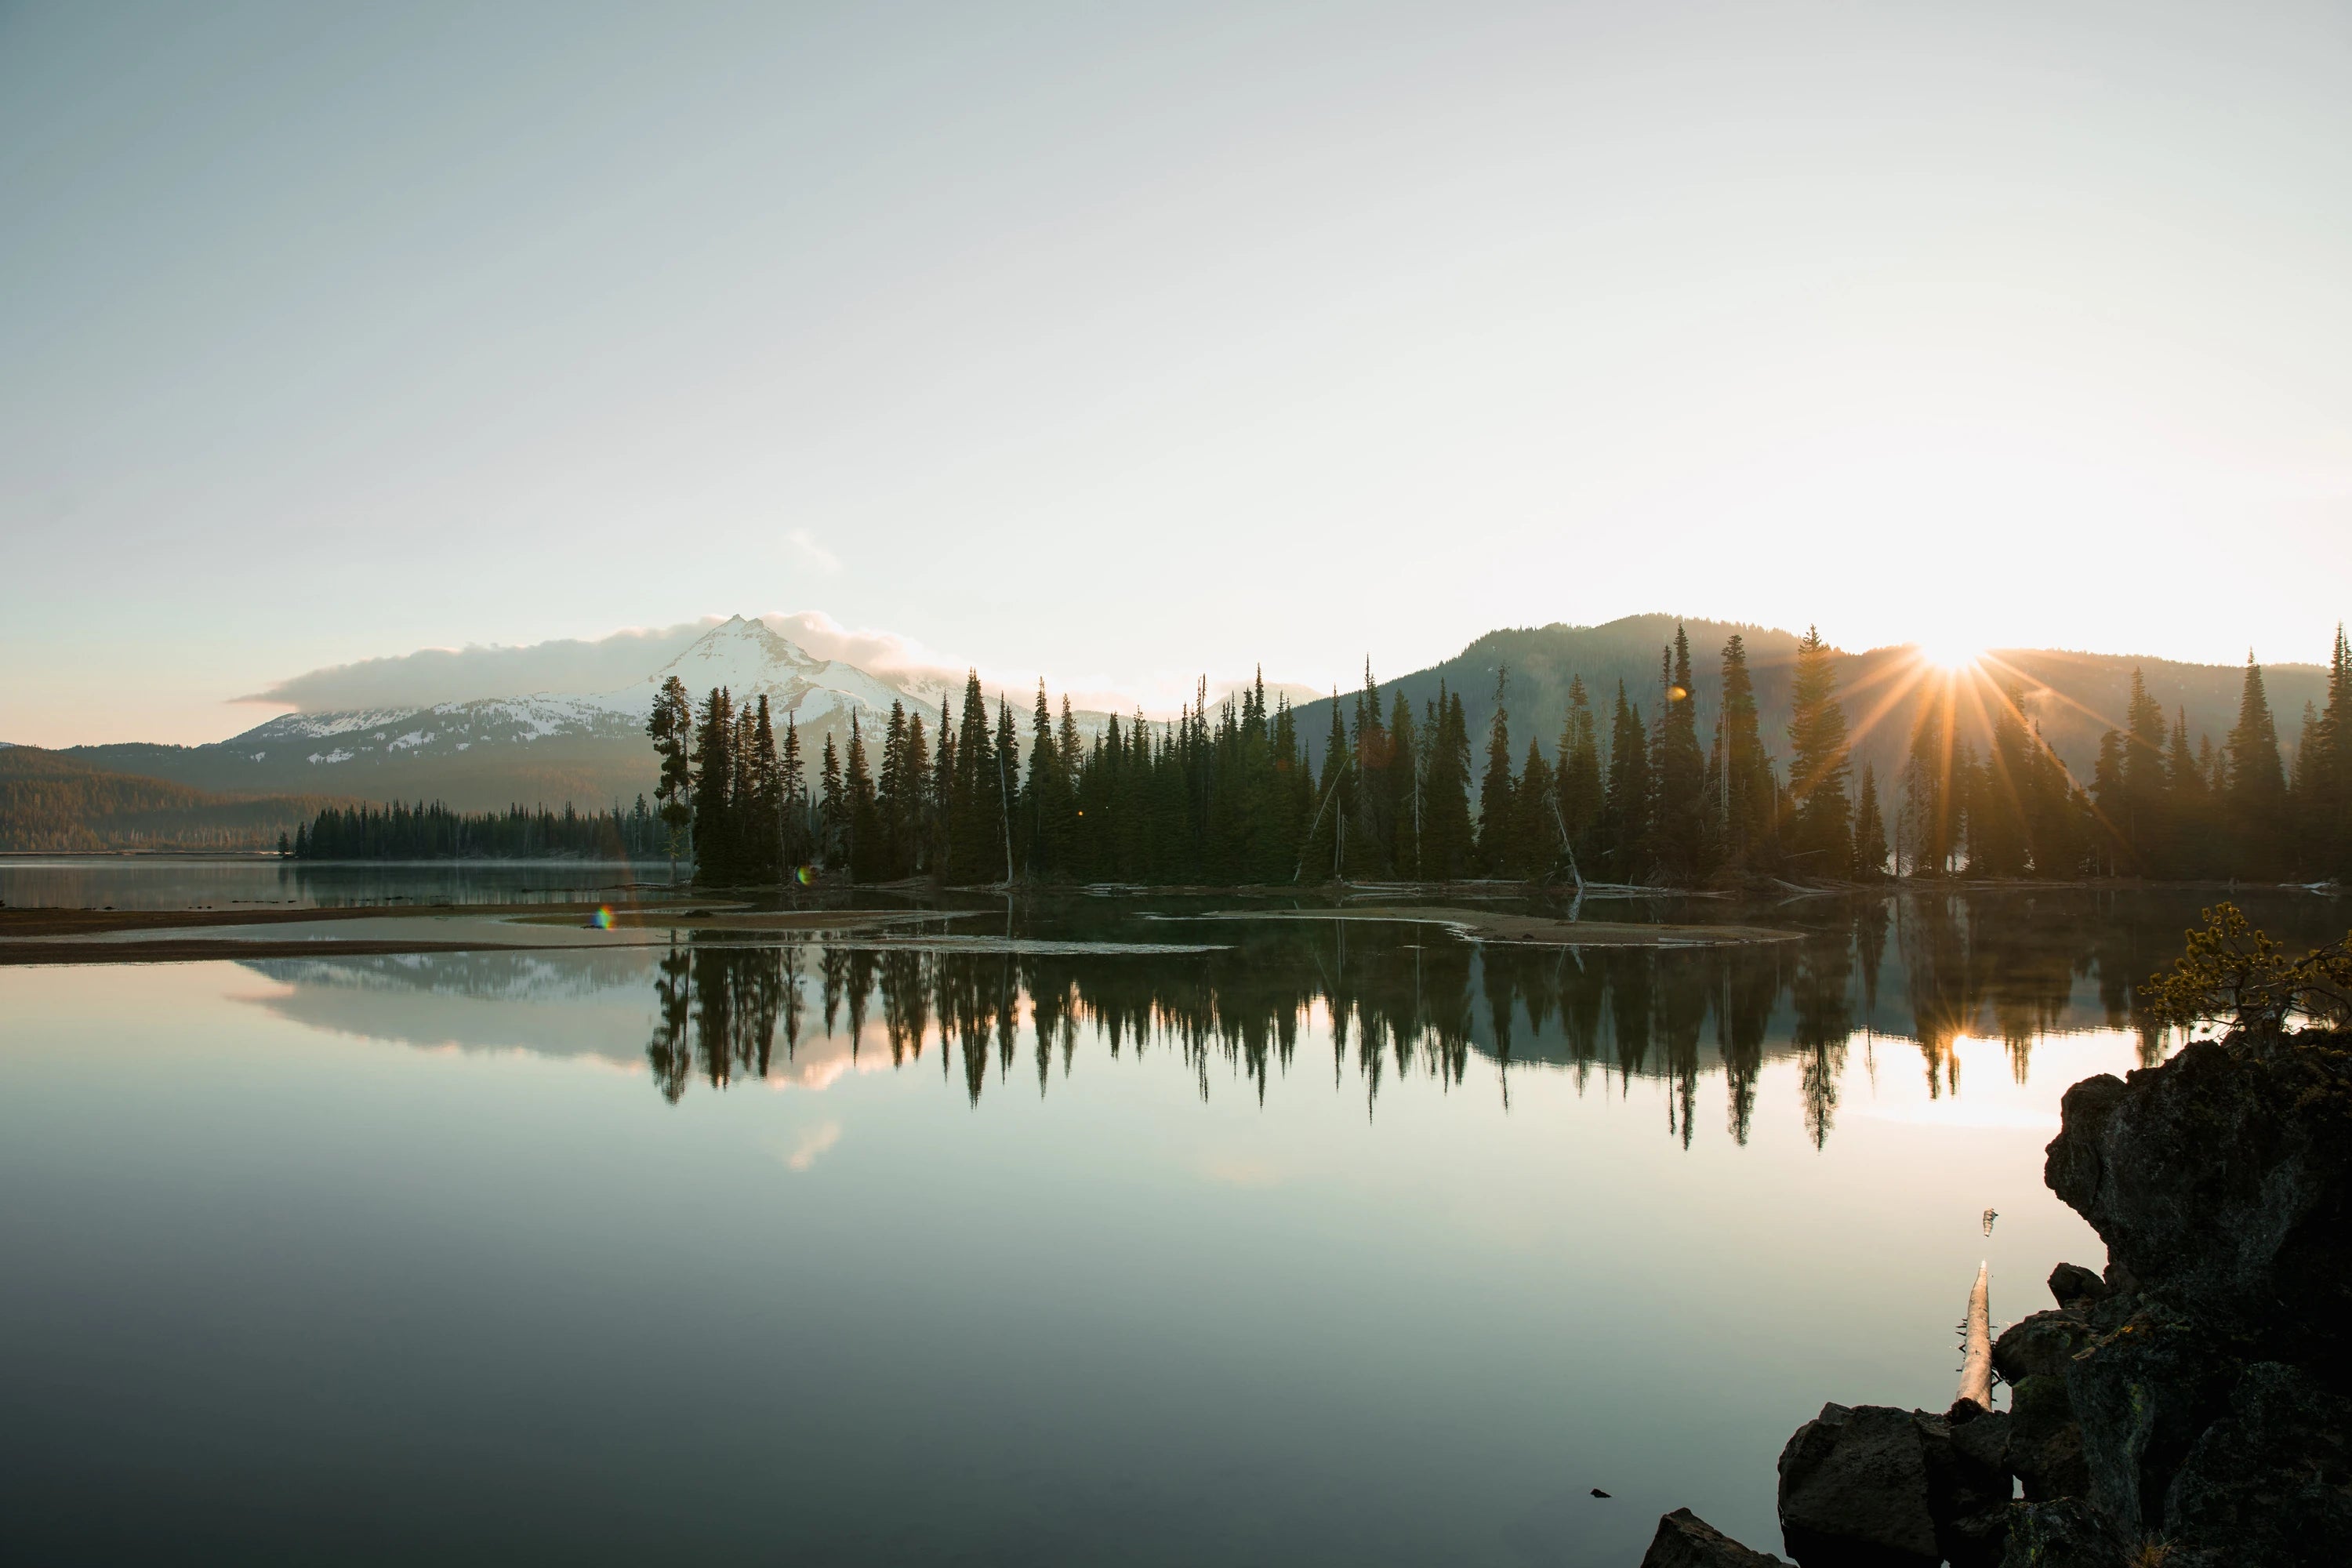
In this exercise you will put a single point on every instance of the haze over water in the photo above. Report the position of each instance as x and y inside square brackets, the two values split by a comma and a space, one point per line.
[975, 1251]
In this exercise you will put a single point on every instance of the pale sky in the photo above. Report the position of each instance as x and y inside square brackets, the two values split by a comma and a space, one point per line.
[1125, 341]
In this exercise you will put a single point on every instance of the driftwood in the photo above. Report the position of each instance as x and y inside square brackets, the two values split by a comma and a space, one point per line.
[1975, 1360]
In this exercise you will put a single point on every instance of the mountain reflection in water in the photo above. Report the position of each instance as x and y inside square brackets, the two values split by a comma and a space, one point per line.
[1394, 1001]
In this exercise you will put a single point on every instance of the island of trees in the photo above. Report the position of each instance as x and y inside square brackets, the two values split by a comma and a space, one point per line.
[1631, 791]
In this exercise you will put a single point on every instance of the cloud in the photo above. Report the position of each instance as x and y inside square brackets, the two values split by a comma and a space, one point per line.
[818, 555]
[812, 1144]
[496, 669]
[581, 666]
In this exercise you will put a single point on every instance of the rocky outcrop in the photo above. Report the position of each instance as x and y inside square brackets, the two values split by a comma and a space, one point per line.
[2222, 1181]
[1685, 1541]
[2192, 1404]
[1873, 1487]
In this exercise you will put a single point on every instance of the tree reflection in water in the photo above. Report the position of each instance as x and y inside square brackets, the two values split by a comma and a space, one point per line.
[1398, 1000]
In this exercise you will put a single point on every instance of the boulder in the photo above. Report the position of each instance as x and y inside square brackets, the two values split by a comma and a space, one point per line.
[2269, 1485]
[1685, 1541]
[2065, 1533]
[1873, 1487]
[2045, 1441]
[2221, 1183]
[2071, 1282]
[2142, 1394]
[1854, 1492]
[2041, 1346]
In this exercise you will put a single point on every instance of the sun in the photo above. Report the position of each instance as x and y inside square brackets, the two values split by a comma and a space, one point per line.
[1950, 652]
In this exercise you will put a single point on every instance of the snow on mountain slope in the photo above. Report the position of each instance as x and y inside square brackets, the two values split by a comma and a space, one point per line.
[742, 656]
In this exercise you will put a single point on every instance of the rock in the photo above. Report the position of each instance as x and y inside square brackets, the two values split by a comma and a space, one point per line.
[2271, 1482]
[2045, 1441]
[2041, 1346]
[2221, 1183]
[1685, 1541]
[2071, 1282]
[2066, 1534]
[2142, 1394]
[1873, 1487]
[1853, 1490]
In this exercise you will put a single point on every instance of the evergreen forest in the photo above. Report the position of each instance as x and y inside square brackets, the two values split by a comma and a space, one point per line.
[423, 832]
[1636, 789]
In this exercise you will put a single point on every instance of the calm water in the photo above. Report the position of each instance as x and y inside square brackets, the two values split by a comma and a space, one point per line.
[1335, 1244]
[176, 882]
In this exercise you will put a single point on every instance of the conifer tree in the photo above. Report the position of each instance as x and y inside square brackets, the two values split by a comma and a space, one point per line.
[862, 815]
[2189, 843]
[714, 777]
[1446, 841]
[832, 812]
[2145, 784]
[797, 845]
[1749, 790]
[765, 808]
[1821, 830]
[1405, 784]
[1578, 778]
[1678, 824]
[1535, 845]
[943, 786]
[1497, 808]
[1625, 836]
[671, 728]
[1869, 831]
[2253, 791]
[1932, 798]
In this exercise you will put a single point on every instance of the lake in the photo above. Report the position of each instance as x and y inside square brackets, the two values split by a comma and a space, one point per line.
[1278, 1241]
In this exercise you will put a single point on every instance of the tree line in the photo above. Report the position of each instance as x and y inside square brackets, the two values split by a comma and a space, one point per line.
[434, 832]
[1229, 793]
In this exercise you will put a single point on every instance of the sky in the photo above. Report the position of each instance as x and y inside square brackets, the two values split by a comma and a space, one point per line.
[1123, 342]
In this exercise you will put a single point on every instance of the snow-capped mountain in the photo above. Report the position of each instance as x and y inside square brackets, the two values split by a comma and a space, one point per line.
[587, 748]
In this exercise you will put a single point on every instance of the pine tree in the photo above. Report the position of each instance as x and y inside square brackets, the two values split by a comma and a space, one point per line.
[832, 812]
[1447, 842]
[1931, 795]
[765, 809]
[1749, 791]
[797, 845]
[1578, 778]
[862, 813]
[1534, 846]
[1625, 835]
[1821, 830]
[714, 777]
[1869, 861]
[1678, 823]
[1497, 808]
[2253, 791]
[2145, 785]
[1405, 782]
[671, 728]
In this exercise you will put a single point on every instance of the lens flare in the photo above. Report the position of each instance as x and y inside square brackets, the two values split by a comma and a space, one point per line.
[603, 918]
[1950, 652]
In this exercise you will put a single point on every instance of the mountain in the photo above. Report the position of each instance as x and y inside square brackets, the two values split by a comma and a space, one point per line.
[547, 748]
[2074, 696]
[54, 802]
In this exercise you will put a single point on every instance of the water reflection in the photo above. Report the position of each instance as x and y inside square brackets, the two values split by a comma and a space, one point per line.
[1886, 978]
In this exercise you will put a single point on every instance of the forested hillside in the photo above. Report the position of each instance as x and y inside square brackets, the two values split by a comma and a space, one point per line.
[2075, 698]
[58, 804]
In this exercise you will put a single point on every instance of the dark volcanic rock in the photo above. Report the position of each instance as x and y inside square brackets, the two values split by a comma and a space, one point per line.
[2223, 1182]
[2071, 1282]
[2271, 1482]
[1685, 1541]
[1875, 1486]
[2143, 1394]
[2045, 1441]
[2041, 1346]
[2067, 1534]
[1853, 1490]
